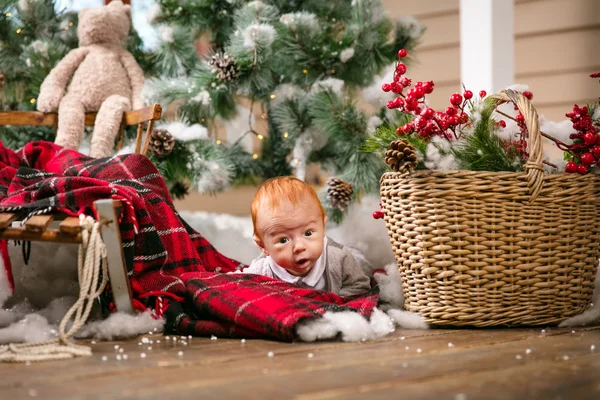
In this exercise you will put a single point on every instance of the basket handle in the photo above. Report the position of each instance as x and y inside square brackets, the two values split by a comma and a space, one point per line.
[533, 166]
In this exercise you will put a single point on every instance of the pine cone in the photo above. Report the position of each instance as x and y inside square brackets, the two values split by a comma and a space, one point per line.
[2, 79]
[339, 193]
[401, 156]
[224, 66]
[162, 143]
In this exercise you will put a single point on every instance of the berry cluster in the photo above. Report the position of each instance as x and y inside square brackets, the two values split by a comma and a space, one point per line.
[586, 147]
[585, 150]
[426, 122]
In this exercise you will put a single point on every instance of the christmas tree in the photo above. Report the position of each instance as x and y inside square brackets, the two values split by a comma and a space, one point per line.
[305, 63]
[34, 36]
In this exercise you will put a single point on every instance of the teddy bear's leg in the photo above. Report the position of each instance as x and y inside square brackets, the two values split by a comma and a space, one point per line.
[108, 122]
[71, 122]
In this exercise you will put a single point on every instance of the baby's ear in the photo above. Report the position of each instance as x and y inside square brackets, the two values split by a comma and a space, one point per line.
[259, 243]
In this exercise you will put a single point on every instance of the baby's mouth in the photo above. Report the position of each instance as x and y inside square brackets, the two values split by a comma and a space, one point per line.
[302, 262]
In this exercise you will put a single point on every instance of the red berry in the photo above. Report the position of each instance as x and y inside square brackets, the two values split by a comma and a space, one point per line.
[394, 87]
[428, 113]
[453, 120]
[482, 93]
[589, 139]
[406, 82]
[450, 111]
[386, 87]
[408, 128]
[428, 86]
[456, 99]
[520, 117]
[417, 110]
[468, 94]
[587, 159]
[421, 122]
[571, 167]
[411, 105]
[582, 169]
[401, 69]
[528, 94]
[419, 92]
[402, 53]
[596, 151]
[391, 104]
[377, 214]
[399, 101]
[502, 123]
[399, 131]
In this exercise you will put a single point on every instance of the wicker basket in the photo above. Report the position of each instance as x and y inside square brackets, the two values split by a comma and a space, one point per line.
[495, 248]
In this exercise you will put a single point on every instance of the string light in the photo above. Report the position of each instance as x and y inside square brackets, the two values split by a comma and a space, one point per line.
[263, 115]
[19, 31]
[255, 156]
[66, 28]
[219, 141]
[295, 161]
[260, 137]
[32, 101]
[285, 134]
[273, 96]
[70, 24]
[305, 71]
[333, 71]
[8, 14]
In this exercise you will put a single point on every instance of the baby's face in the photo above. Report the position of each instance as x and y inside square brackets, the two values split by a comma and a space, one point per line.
[292, 235]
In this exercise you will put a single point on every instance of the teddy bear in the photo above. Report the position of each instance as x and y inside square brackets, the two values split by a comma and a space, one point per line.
[98, 76]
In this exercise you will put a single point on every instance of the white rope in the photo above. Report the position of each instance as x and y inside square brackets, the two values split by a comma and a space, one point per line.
[88, 270]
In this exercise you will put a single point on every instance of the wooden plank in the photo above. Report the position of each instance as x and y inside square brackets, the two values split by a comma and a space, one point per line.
[38, 223]
[336, 369]
[419, 9]
[152, 112]
[558, 15]
[34, 118]
[6, 219]
[537, 54]
[70, 226]
[21, 118]
[50, 235]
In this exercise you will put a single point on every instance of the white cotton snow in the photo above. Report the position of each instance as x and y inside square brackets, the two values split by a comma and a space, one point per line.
[373, 94]
[184, 132]
[121, 325]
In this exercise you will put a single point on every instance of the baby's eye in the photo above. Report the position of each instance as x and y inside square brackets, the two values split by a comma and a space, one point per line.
[308, 233]
[283, 240]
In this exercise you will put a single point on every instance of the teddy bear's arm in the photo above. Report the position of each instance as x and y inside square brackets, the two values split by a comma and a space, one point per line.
[53, 87]
[136, 77]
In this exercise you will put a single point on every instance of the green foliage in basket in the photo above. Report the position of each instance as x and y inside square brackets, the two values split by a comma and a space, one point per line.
[481, 149]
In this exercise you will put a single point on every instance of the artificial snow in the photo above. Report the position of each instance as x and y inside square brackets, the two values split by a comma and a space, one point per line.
[346, 54]
[121, 325]
[256, 35]
[373, 93]
[183, 132]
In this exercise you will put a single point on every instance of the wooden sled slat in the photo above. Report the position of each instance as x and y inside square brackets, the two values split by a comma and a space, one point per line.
[6, 219]
[51, 235]
[38, 223]
[70, 226]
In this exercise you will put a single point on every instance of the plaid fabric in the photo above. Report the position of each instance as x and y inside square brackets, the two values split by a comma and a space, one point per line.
[42, 177]
[170, 266]
[252, 306]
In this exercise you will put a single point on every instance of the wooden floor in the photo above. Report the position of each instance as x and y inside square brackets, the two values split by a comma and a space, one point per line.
[434, 364]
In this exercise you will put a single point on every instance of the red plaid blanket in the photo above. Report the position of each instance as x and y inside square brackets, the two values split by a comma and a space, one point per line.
[169, 264]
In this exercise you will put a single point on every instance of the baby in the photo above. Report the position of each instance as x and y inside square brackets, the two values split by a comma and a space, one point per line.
[289, 227]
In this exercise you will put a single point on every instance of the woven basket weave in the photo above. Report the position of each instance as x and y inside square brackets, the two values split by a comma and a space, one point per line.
[495, 248]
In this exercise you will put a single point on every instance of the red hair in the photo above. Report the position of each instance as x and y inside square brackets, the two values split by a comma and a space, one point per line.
[283, 189]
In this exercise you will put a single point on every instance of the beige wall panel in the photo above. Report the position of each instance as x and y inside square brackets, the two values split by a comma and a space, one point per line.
[419, 8]
[441, 30]
[568, 51]
[566, 88]
[555, 113]
[439, 65]
[555, 15]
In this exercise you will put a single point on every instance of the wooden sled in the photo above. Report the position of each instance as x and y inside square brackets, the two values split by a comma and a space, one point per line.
[38, 228]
